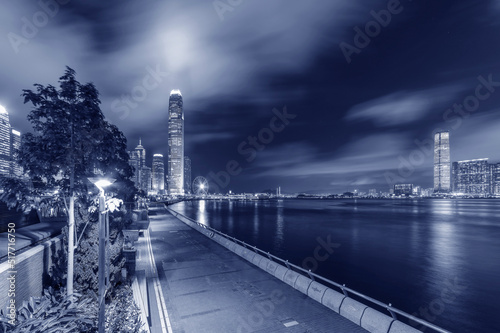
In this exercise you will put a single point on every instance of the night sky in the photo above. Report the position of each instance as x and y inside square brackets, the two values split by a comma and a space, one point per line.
[358, 120]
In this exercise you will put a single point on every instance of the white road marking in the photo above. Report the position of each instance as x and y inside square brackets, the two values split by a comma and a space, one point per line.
[166, 327]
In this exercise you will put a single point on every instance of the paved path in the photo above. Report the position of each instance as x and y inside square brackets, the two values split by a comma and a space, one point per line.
[207, 288]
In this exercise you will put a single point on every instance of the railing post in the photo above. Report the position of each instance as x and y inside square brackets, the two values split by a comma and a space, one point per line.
[310, 274]
[287, 264]
[391, 312]
[344, 291]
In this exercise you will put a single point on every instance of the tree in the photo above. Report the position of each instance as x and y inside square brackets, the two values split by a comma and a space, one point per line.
[71, 142]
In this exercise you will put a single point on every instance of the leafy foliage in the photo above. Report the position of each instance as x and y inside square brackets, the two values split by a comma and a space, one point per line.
[71, 140]
[54, 312]
[87, 252]
[123, 315]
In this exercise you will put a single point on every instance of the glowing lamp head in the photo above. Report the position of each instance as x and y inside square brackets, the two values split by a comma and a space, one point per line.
[101, 183]
[2, 110]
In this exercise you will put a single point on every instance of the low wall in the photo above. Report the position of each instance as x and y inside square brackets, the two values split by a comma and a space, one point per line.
[368, 318]
[32, 267]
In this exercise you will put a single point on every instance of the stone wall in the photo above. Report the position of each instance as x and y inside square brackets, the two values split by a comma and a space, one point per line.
[32, 269]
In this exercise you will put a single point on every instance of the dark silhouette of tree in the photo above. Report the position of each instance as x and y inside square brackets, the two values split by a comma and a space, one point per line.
[72, 141]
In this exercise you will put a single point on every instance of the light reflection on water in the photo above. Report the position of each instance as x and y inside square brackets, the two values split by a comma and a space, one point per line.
[401, 251]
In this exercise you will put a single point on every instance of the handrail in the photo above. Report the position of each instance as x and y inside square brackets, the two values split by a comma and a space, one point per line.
[345, 290]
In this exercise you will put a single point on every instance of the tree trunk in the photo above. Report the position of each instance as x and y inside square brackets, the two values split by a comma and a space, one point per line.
[71, 243]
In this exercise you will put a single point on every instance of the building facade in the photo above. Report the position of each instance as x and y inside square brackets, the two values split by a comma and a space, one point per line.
[158, 174]
[403, 189]
[473, 177]
[175, 144]
[5, 144]
[16, 170]
[495, 174]
[442, 163]
[187, 175]
[146, 180]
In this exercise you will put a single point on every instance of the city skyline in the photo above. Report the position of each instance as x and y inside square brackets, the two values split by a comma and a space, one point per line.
[355, 121]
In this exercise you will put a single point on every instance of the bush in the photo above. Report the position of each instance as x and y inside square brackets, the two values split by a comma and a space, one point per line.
[54, 312]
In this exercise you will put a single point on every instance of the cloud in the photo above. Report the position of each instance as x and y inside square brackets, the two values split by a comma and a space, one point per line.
[402, 107]
[373, 153]
[477, 137]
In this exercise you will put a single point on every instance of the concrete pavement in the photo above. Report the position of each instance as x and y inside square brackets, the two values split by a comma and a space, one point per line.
[207, 288]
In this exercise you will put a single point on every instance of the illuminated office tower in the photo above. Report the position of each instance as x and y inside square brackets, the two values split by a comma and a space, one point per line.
[187, 175]
[442, 166]
[158, 174]
[175, 144]
[140, 152]
[5, 145]
[16, 170]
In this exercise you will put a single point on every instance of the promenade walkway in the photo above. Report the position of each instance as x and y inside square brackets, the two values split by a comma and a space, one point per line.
[207, 288]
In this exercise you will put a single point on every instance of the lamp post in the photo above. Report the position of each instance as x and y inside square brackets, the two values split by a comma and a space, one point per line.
[102, 183]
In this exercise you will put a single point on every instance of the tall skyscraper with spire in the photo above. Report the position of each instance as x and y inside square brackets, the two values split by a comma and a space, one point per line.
[175, 143]
[442, 162]
[5, 143]
[141, 154]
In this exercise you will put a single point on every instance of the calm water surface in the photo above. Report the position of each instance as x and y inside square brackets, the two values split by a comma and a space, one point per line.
[439, 259]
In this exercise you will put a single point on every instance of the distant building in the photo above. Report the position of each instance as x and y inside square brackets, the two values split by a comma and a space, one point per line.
[135, 163]
[5, 145]
[417, 190]
[16, 170]
[372, 192]
[473, 177]
[495, 173]
[158, 174]
[442, 166]
[146, 180]
[403, 189]
[140, 152]
[176, 143]
[187, 175]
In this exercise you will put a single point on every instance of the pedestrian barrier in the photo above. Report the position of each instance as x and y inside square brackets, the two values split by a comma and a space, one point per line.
[375, 321]
[316, 291]
[352, 310]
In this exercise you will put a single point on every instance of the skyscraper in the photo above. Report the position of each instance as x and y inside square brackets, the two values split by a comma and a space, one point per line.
[15, 144]
[442, 172]
[158, 174]
[141, 154]
[187, 175]
[135, 163]
[175, 144]
[5, 145]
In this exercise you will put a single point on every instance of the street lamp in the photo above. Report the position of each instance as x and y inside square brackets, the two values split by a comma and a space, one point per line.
[101, 184]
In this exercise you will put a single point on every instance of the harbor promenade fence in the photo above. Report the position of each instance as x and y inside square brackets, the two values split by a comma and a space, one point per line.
[391, 323]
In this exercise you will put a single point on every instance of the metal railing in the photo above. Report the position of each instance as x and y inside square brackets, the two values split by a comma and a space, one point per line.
[313, 276]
